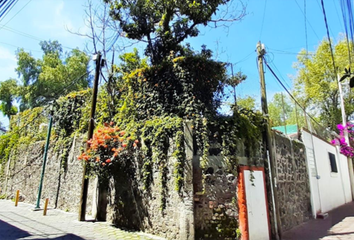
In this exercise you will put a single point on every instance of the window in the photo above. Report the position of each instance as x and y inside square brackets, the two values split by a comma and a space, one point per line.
[332, 159]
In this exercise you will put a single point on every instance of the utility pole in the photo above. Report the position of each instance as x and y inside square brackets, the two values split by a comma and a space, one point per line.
[344, 123]
[267, 138]
[44, 161]
[85, 181]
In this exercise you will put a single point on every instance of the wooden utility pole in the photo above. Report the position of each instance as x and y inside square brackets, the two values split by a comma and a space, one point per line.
[85, 181]
[270, 163]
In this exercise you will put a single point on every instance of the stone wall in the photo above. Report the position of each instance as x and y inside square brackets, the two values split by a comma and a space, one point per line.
[292, 183]
[215, 192]
[206, 208]
[62, 187]
[131, 206]
[216, 213]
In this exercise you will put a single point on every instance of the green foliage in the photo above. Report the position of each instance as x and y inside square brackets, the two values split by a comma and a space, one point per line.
[164, 24]
[121, 145]
[51, 47]
[44, 80]
[8, 93]
[70, 116]
[71, 113]
[247, 102]
[26, 128]
[183, 86]
[156, 135]
[316, 82]
[283, 112]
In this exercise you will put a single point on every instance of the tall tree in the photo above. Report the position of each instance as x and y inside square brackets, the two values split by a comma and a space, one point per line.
[44, 80]
[8, 93]
[165, 24]
[316, 81]
[279, 110]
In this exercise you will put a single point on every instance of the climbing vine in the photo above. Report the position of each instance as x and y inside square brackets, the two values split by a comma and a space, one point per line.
[70, 117]
[147, 142]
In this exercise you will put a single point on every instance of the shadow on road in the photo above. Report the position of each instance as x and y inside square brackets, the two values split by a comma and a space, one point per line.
[9, 232]
[68, 236]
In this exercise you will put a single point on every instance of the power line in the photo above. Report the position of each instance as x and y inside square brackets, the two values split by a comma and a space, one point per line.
[26, 35]
[286, 82]
[329, 39]
[346, 26]
[9, 44]
[2, 3]
[307, 20]
[264, 11]
[307, 48]
[281, 83]
[17, 12]
[7, 9]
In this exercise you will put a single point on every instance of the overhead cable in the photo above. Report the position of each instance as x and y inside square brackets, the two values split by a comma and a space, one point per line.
[281, 83]
[329, 39]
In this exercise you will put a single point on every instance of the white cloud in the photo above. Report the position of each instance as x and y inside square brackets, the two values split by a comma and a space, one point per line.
[59, 9]
[8, 64]
[6, 54]
[56, 21]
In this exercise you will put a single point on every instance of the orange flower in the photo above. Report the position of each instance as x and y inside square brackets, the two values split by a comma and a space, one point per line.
[108, 160]
[111, 123]
[134, 145]
[115, 154]
[136, 141]
[124, 145]
[103, 164]
[97, 159]
[122, 133]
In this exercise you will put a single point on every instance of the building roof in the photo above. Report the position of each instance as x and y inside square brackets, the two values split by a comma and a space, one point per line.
[290, 129]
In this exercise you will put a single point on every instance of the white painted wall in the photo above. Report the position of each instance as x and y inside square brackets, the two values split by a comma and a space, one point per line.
[329, 190]
[258, 227]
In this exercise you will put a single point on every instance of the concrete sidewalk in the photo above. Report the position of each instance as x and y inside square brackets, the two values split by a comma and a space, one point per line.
[339, 225]
[23, 223]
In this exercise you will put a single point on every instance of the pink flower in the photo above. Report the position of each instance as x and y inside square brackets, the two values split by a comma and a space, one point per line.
[335, 142]
[340, 127]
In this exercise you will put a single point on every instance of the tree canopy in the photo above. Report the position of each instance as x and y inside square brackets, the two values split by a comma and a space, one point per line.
[247, 102]
[8, 92]
[316, 81]
[164, 25]
[44, 80]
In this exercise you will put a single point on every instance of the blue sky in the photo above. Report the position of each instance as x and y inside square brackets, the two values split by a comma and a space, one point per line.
[279, 24]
